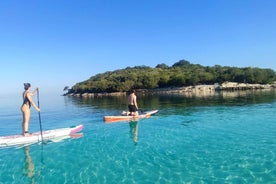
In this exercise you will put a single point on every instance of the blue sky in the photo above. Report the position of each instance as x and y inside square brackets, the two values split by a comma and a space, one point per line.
[53, 44]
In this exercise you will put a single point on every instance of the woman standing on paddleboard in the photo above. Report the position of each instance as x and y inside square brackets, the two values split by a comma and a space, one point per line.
[25, 108]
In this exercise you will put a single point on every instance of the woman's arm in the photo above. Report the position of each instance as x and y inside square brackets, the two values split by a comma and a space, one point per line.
[34, 92]
[29, 96]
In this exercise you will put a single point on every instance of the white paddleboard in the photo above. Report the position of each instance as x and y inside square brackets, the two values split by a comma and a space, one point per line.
[15, 140]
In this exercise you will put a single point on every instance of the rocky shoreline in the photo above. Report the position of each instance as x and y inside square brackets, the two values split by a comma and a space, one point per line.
[198, 90]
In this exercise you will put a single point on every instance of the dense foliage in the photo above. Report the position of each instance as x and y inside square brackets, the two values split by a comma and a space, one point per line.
[182, 73]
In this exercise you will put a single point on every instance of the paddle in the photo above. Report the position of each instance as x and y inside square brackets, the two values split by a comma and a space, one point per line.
[39, 115]
[141, 110]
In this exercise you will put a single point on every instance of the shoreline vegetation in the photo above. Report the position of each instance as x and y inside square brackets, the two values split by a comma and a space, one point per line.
[182, 78]
[188, 91]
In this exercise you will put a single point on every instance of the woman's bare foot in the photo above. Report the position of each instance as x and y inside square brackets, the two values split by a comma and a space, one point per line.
[26, 134]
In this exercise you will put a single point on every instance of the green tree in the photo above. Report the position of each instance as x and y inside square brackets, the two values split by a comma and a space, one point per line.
[182, 73]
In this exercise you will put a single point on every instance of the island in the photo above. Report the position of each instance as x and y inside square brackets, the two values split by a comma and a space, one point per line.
[182, 77]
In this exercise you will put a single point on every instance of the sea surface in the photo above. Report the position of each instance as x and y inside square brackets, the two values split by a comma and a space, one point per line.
[225, 138]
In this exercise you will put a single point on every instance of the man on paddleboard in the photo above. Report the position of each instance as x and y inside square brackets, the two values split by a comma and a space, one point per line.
[132, 104]
[25, 108]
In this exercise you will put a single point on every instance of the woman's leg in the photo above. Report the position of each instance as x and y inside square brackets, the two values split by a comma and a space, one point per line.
[26, 119]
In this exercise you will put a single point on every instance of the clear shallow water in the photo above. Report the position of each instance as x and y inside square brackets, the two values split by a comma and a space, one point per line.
[191, 140]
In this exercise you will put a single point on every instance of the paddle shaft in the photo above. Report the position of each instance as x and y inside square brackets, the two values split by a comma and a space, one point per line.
[39, 115]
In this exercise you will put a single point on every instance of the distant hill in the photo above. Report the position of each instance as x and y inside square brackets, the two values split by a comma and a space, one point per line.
[181, 73]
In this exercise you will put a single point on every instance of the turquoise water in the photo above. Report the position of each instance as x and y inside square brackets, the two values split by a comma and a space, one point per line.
[220, 139]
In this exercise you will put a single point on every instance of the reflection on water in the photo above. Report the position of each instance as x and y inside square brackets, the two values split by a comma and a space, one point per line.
[133, 125]
[149, 102]
[62, 138]
[28, 167]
